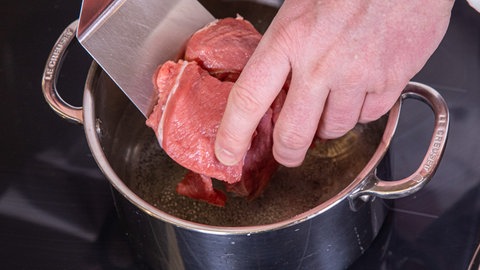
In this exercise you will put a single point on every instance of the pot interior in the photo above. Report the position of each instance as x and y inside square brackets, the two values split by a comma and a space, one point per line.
[132, 150]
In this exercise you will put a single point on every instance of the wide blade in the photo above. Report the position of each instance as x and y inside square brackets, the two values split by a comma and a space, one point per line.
[129, 39]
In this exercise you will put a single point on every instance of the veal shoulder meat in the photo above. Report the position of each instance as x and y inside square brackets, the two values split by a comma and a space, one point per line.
[192, 96]
[187, 119]
[200, 187]
[223, 47]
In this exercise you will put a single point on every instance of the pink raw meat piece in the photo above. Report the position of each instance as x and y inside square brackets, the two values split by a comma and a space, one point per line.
[200, 187]
[223, 47]
[186, 124]
[192, 96]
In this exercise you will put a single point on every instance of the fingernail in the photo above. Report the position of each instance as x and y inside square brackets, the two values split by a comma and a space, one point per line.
[225, 157]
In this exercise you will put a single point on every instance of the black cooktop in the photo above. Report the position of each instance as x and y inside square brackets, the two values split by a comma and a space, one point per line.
[56, 210]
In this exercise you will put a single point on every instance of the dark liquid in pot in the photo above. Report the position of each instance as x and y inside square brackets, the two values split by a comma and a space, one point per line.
[328, 168]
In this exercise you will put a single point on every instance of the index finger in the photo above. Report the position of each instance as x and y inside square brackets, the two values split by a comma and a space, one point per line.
[251, 96]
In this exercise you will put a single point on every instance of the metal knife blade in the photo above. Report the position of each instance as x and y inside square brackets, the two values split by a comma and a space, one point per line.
[129, 39]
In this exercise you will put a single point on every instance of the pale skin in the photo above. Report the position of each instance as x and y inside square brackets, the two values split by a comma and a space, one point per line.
[348, 60]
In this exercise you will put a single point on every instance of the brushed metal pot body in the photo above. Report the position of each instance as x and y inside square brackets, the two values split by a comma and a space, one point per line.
[330, 235]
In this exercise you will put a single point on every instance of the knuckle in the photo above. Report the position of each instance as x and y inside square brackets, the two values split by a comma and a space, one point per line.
[245, 100]
[332, 133]
[379, 103]
[292, 140]
[289, 149]
[336, 126]
[373, 113]
[228, 137]
[368, 117]
[355, 79]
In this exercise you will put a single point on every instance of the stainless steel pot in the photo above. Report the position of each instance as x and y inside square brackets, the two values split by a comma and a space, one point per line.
[171, 232]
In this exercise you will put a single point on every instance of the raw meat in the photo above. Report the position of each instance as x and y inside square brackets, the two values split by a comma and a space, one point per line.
[223, 47]
[192, 96]
[186, 121]
[200, 187]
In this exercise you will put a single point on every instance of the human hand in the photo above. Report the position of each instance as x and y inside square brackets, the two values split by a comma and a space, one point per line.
[348, 60]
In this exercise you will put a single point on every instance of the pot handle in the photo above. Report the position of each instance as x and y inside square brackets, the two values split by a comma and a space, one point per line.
[50, 74]
[411, 184]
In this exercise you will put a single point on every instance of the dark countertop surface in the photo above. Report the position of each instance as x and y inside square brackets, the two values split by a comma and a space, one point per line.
[56, 210]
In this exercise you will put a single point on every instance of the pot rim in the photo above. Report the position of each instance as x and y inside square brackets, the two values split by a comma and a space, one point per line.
[121, 187]
[365, 185]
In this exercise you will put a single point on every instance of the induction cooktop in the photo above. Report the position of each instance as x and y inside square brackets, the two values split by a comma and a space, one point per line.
[56, 208]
